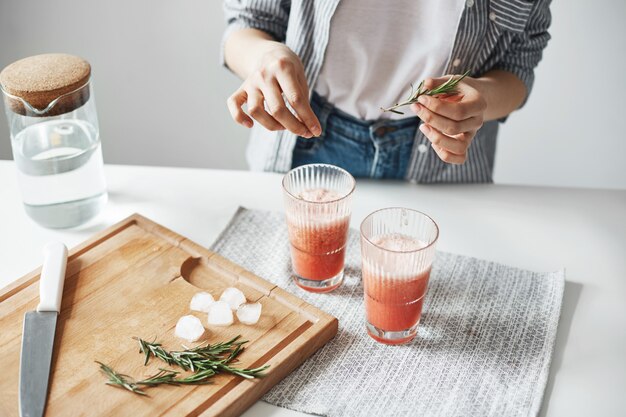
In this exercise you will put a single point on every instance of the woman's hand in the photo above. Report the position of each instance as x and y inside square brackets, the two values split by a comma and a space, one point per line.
[279, 76]
[451, 122]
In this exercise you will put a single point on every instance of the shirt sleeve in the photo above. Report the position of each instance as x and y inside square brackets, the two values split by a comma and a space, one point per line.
[527, 47]
[271, 16]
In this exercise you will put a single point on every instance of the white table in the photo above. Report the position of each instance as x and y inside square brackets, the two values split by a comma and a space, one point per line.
[541, 229]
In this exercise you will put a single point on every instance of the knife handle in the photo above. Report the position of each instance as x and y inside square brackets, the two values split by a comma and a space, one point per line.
[52, 277]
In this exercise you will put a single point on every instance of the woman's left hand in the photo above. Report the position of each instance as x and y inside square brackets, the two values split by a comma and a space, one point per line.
[451, 122]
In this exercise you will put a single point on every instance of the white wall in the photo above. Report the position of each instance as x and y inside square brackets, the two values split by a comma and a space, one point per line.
[159, 88]
[160, 91]
[571, 132]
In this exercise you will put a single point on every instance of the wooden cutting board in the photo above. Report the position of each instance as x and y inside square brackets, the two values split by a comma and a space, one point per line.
[136, 279]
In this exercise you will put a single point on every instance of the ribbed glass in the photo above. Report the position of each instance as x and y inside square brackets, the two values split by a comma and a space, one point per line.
[397, 250]
[317, 205]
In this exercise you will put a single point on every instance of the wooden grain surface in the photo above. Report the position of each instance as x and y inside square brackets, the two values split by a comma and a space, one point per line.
[136, 279]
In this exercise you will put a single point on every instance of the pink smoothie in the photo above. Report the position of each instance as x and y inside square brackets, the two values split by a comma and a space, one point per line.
[318, 246]
[393, 302]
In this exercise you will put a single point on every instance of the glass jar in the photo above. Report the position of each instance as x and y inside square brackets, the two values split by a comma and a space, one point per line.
[51, 111]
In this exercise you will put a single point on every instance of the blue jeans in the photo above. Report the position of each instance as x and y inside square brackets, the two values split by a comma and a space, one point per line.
[365, 148]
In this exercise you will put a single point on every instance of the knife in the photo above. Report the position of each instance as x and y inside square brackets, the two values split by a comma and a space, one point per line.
[38, 333]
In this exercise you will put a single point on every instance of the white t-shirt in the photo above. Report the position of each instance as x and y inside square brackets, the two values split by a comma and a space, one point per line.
[377, 48]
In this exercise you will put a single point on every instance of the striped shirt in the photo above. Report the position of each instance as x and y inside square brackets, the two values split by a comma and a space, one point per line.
[492, 34]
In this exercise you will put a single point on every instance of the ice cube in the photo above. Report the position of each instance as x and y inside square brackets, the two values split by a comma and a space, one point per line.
[398, 242]
[249, 313]
[189, 328]
[201, 302]
[319, 195]
[234, 297]
[220, 314]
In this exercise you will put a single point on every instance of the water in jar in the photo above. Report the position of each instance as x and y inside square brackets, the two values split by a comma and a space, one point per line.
[60, 172]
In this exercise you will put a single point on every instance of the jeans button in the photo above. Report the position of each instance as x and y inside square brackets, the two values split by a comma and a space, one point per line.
[380, 131]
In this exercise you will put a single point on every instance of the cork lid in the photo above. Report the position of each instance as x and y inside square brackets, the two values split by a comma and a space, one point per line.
[46, 85]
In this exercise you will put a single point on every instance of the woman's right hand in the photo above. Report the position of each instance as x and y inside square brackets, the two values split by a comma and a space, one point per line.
[279, 76]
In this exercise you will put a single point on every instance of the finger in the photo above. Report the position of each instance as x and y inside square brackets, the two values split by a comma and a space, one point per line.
[454, 98]
[452, 145]
[448, 157]
[431, 83]
[256, 108]
[452, 110]
[445, 125]
[234, 103]
[298, 97]
[279, 111]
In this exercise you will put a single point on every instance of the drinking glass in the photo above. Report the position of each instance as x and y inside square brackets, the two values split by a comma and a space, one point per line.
[317, 204]
[397, 250]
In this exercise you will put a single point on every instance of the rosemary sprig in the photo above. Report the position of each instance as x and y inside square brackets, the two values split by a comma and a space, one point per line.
[205, 361]
[120, 380]
[214, 357]
[167, 376]
[164, 376]
[449, 87]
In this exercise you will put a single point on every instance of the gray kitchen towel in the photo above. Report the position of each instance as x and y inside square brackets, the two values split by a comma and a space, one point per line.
[483, 348]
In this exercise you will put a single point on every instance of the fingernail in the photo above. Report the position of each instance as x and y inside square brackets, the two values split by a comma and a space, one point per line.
[417, 108]
[423, 99]
[316, 130]
[424, 128]
[247, 123]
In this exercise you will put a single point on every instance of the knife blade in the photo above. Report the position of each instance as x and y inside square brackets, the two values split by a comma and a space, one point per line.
[38, 333]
